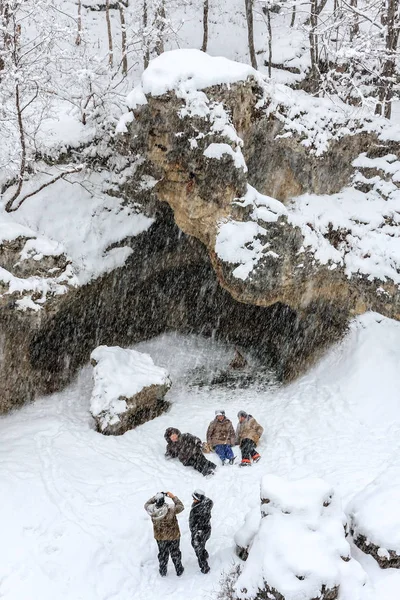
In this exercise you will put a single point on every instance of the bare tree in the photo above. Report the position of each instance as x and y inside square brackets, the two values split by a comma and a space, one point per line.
[159, 24]
[313, 40]
[121, 8]
[391, 20]
[355, 28]
[250, 32]
[109, 35]
[268, 14]
[293, 19]
[28, 69]
[78, 39]
[205, 25]
[146, 51]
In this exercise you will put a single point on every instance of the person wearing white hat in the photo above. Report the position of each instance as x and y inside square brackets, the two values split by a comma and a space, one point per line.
[200, 527]
[221, 437]
[166, 530]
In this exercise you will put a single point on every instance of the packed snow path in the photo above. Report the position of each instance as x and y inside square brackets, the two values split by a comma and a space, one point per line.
[72, 520]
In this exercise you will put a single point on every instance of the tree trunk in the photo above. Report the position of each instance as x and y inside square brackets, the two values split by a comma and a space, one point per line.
[9, 205]
[159, 21]
[250, 32]
[146, 53]
[293, 15]
[123, 38]
[109, 33]
[269, 43]
[78, 39]
[355, 28]
[205, 26]
[384, 106]
[313, 39]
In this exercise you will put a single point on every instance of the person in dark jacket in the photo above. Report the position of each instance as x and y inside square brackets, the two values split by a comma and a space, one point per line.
[188, 449]
[200, 527]
[166, 530]
[221, 437]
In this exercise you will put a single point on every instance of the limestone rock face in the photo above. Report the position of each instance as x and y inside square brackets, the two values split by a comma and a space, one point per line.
[212, 145]
[128, 389]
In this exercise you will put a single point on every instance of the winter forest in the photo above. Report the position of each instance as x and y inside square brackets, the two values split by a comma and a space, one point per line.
[200, 299]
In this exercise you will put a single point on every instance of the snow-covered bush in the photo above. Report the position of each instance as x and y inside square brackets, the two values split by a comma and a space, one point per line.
[227, 583]
[129, 389]
[246, 534]
[300, 551]
[375, 522]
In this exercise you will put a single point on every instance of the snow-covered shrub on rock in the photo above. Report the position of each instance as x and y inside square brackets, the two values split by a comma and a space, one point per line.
[34, 268]
[129, 389]
[375, 521]
[300, 550]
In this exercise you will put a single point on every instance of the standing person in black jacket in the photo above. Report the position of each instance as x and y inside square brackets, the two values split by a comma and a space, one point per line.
[188, 449]
[200, 527]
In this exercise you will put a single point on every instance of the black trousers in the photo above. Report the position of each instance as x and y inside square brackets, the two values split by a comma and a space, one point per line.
[248, 448]
[201, 464]
[166, 549]
[199, 539]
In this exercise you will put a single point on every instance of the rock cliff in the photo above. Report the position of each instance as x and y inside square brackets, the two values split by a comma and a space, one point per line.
[211, 144]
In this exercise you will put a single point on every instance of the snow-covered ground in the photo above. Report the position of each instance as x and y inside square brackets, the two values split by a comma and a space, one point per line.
[72, 520]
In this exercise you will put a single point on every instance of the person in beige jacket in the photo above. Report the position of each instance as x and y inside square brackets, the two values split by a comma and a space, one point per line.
[248, 433]
[221, 437]
[166, 530]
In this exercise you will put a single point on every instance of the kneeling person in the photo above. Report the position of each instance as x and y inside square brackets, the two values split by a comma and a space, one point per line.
[200, 527]
[166, 530]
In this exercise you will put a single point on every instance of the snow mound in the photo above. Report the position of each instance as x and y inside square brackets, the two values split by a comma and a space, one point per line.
[375, 520]
[301, 497]
[119, 375]
[192, 69]
[300, 551]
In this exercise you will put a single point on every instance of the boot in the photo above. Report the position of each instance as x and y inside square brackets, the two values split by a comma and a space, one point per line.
[163, 573]
[232, 460]
[256, 458]
[205, 569]
[179, 570]
[245, 463]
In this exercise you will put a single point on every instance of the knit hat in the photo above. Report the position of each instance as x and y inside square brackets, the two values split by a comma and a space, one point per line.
[159, 499]
[219, 412]
[242, 413]
[198, 495]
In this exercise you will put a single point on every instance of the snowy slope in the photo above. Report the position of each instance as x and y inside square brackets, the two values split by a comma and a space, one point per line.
[72, 520]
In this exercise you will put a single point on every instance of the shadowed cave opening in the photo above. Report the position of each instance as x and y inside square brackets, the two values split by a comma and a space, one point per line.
[168, 284]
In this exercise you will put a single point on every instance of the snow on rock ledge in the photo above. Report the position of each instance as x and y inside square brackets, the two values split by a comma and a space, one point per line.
[375, 521]
[129, 389]
[192, 70]
[299, 551]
